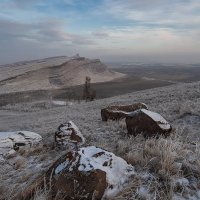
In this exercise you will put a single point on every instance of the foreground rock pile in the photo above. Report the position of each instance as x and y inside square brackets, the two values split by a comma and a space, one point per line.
[89, 172]
[83, 172]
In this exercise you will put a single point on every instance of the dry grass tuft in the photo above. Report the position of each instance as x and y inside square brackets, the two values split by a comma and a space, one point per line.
[168, 163]
[41, 195]
[35, 151]
[20, 163]
[25, 177]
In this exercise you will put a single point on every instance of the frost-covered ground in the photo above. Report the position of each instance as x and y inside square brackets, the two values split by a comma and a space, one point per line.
[165, 168]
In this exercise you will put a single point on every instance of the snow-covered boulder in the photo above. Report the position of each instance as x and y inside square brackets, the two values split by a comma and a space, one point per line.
[89, 173]
[13, 140]
[148, 123]
[69, 134]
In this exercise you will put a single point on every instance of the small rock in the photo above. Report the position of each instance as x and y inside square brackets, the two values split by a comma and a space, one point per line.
[69, 134]
[11, 152]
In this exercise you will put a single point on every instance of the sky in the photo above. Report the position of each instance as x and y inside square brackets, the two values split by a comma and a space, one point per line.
[165, 31]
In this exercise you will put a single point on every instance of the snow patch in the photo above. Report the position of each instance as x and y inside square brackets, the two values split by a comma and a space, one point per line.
[143, 192]
[5, 134]
[148, 78]
[117, 170]
[60, 167]
[25, 136]
[158, 118]
[181, 182]
[59, 103]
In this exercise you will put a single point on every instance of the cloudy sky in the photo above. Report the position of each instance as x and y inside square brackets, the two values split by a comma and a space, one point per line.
[112, 30]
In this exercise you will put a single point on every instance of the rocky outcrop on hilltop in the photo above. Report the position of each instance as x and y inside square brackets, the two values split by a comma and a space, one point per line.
[74, 71]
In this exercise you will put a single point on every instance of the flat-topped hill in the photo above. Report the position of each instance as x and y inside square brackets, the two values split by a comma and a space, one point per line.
[53, 73]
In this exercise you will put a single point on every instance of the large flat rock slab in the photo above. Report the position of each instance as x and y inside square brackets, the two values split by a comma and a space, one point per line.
[13, 140]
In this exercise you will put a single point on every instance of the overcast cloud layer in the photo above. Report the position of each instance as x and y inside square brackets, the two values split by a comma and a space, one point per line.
[113, 30]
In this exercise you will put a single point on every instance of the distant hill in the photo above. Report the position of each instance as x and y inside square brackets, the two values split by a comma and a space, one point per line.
[53, 73]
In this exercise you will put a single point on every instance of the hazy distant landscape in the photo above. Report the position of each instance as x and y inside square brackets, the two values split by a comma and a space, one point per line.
[39, 95]
[140, 77]
[135, 77]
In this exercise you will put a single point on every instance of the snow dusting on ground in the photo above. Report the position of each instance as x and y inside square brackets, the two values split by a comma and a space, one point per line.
[172, 164]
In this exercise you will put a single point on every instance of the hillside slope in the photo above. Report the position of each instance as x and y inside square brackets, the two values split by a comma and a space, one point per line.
[53, 73]
[165, 167]
[10, 71]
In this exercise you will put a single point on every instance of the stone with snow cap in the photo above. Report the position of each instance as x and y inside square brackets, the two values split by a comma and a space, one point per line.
[148, 123]
[68, 133]
[13, 140]
[88, 173]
